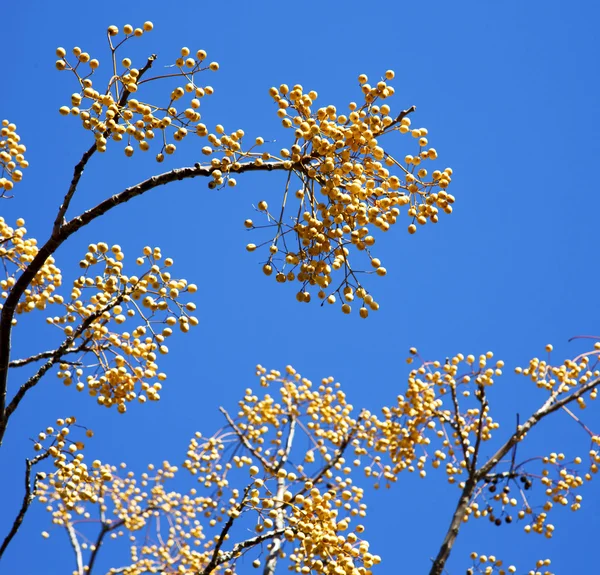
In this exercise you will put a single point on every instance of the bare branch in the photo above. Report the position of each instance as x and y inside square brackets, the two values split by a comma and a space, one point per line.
[457, 518]
[271, 562]
[46, 355]
[106, 528]
[27, 499]
[103, 531]
[214, 561]
[457, 422]
[483, 401]
[76, 547]
[247, 544]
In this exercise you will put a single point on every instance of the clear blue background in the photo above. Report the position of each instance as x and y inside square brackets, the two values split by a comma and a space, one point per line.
[509, 93]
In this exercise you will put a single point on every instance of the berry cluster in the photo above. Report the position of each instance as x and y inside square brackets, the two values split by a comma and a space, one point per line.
[351, 189]
[112, 112]
[70, 482]
[429, 411]
[491, 565]
[126, 361]
[563, 378]
[12, 157]
[300, 501]
[16, 253]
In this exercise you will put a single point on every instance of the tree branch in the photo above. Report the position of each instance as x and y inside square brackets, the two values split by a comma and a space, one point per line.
[271, 562]
[452, 533]
[47, 354]
[76, 547]
[214, 561]
[59, 237]
[27, 499]
[550, 406]
[239, 547]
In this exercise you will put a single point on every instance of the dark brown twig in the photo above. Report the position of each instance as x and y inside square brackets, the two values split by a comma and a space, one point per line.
[27, 499]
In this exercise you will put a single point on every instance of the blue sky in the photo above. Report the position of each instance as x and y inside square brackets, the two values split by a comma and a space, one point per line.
[508, 92]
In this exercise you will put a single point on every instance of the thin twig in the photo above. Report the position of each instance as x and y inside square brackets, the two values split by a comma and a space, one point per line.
[27, 498]
[267, 466]
[46, 355]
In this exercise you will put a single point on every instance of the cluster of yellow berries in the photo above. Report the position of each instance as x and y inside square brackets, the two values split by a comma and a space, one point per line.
[491, 565]
[350, 189]
[126, 367]
[111, 113]
[314, 509]
[301, 448]
[563, 378]
[16, 253]
[560, 488]
[324, 541]
[12, 157]
[70, 482]
[430, 410]
[315, 501]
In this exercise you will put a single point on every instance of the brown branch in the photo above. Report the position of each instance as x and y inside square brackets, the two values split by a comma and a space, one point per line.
[452, 533]
[483, 402]
[107, 528]
[214, 561]
[27, 499]
[103, 531]
[59, 237]
[76, 547]
[457, 418]
[550, 406]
